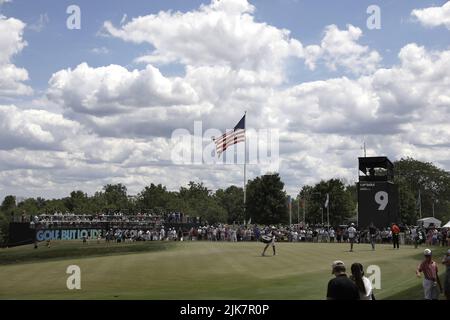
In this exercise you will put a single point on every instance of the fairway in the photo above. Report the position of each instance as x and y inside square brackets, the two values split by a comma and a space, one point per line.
[199, 270]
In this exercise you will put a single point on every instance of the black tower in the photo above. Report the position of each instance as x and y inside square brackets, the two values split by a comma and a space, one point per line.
[377, 193]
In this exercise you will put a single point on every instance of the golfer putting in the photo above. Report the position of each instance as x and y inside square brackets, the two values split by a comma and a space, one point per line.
[269, 239]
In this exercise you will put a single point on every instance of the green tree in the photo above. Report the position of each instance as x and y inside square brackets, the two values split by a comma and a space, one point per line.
[8, 204]
[266, 200]
[77, 202]
[153, 196]
[30, 206]
[434, 184]
[232, 200]
[342, 201]
[115, 196]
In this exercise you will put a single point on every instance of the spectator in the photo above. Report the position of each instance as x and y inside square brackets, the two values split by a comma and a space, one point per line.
[332, 234]
[351, 235]
[364, 285]
[446, 263]
[341, 287]
[372, 235]
[431, 276]
[395, 235]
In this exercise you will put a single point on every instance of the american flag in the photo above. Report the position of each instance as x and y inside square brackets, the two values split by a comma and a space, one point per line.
[231, 138]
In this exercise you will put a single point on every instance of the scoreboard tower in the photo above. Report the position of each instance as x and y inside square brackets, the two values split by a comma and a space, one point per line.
[377, 193]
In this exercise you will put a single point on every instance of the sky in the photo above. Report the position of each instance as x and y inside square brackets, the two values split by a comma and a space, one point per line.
[99, 104]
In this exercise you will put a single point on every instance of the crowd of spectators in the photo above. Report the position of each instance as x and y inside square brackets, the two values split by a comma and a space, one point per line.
[151, 226]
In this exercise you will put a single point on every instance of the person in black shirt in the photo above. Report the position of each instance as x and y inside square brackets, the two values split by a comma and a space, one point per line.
[341, 287]
[372, 234]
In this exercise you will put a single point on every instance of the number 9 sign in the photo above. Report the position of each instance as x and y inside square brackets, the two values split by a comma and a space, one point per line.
[382, 199]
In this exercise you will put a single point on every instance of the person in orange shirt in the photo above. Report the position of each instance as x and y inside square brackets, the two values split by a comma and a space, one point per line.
[395, 235]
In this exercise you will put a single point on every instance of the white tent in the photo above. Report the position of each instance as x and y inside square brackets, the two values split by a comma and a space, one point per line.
[447, 225]
[425, 222]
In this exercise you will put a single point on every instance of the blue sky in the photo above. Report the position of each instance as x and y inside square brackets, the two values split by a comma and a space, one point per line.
[56, 47]
[326, 87]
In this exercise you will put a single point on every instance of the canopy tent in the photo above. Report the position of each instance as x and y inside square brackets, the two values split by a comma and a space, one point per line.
[447, 225]
[425, 222]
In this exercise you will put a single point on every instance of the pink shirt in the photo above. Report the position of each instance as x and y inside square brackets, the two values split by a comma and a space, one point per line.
[430, 270]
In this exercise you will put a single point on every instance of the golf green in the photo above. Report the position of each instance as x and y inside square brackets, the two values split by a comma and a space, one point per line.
[199, 270]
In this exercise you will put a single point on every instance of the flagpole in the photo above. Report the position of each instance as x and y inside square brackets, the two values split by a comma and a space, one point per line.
[420, 205]
[245, 165]
[328, 212]
[290, 211]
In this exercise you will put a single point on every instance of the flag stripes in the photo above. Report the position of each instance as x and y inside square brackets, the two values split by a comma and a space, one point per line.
[231, 138]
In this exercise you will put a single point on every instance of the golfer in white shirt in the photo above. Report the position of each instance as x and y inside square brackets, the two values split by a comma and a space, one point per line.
[351, 235]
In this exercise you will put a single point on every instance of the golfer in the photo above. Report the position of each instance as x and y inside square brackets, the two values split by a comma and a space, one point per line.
[271, 234]
[373, 235]
[351, 235]
[431, 277]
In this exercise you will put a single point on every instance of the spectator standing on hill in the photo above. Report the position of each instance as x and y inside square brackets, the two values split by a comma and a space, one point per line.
[341, 287]
[332, 235]
[431, 279]
[339, 235]
[415, 237]
[395, 235]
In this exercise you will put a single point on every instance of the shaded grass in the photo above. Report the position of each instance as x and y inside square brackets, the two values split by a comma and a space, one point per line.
[70, 249]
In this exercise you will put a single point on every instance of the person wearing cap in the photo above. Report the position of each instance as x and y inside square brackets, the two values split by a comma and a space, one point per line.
[272, 234]
[351, 235]
[341, 287]
[431, 276]
[446, 262]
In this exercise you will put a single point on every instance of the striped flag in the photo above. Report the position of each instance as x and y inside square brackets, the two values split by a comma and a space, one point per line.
[231, 138]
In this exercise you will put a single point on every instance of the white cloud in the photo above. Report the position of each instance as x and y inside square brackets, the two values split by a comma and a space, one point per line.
[223, 33]
[412, 92]
[33, 129]
[114, 89]
[339, 49]
[110, 124]
[434, 16]
[12, 43]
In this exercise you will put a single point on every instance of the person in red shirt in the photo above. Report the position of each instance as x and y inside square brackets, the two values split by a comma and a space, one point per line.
[395, 235]
[431, 279]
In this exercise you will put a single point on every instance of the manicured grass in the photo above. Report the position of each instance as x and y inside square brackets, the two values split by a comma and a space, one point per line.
[200, 270]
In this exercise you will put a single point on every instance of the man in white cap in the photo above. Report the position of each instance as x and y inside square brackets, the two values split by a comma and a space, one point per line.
[431, 279]
[351, 235]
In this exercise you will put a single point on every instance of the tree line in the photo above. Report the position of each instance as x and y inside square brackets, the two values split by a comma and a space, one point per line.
[267, 201]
